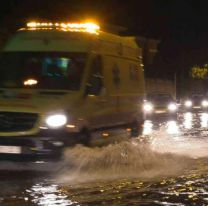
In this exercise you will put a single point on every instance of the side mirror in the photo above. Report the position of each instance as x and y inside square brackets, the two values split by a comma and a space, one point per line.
[90, 90]
[94, 86]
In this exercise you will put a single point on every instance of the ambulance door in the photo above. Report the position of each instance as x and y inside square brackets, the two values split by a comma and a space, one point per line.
[96, 100]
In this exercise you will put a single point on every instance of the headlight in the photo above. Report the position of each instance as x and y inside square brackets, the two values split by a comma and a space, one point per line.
[56, 120]
[148, 107]
[204, 103]
[188, 103]
[172, 107]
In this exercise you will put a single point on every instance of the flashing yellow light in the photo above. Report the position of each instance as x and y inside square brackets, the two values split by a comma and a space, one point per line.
[30, 82]
[73, 27]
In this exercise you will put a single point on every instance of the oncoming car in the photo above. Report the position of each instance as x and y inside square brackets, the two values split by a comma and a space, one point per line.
[196, 102]
[157, 105]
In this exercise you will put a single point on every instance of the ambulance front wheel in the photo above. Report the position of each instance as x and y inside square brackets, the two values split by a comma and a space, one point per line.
[136, 128]
[85, 137]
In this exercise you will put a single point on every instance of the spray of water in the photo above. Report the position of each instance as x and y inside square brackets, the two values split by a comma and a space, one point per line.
[123, 160]
[168, 150]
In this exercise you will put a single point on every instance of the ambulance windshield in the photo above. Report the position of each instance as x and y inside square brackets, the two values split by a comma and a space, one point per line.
[42, 70]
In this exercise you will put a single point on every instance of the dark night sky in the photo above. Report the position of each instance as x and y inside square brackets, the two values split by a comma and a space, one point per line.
[181, 25]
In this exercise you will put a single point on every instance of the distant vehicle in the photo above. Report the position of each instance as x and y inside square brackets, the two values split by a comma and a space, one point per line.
[158, 105]
[196, 102]
[60, 82]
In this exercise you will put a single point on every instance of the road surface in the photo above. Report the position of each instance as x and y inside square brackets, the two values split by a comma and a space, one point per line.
[167, 166]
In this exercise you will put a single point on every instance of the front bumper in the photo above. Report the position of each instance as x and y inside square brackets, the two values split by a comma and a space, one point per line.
[46, 146]
[160, 114]
[30, 149]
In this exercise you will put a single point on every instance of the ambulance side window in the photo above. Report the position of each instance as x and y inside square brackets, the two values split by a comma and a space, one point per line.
[95, 82]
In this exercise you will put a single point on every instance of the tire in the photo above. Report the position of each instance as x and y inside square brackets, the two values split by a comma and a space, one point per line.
[136, 129]
[85, 137]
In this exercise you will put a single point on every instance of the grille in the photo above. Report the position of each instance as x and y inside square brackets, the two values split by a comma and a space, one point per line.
[17, 121]
[13, 141]
[160, 107]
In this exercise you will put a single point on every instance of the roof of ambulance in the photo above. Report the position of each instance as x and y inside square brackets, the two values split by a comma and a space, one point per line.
[56, 40]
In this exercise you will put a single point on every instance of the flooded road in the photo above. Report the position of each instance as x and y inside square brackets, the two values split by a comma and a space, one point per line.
[167, 166]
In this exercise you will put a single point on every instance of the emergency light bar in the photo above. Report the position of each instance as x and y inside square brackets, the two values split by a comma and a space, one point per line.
[73, 27]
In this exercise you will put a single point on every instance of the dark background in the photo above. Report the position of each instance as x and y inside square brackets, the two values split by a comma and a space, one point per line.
[180, 25]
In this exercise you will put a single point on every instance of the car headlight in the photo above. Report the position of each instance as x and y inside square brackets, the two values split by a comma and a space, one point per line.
[204, 103]
[172, 107]
[188, 103]
[148, 107]
[56, 120]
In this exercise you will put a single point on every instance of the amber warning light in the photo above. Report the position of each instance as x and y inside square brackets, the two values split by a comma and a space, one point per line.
[73, 27]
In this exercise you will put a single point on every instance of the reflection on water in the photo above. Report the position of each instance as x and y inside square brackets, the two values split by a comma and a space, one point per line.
[48, 195]
[171, 127]
[147, 127]
[204, 120]
[189, 121]
[187, 136]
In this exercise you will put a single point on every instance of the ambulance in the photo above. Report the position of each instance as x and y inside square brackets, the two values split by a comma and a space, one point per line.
[59, 82]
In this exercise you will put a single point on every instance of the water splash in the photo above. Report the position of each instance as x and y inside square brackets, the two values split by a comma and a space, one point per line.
[165, 149]
[131, 159]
